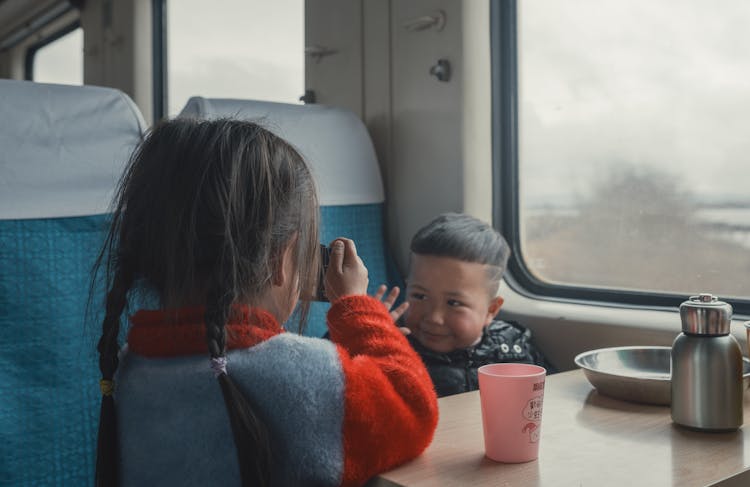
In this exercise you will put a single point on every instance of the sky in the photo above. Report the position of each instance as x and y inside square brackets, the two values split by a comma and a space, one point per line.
[226, 48]
[648, 83]
[61, 61]
[235, 49]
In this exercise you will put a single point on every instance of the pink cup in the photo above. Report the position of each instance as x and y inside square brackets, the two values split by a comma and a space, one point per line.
[511, 397]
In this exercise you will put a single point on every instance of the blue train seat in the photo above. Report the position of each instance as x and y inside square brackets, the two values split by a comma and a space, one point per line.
[339, 150]
[63, 150]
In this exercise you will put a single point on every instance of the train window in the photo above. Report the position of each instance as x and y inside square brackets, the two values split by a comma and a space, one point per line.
[58, 58]
[235, 49]
[630, 146]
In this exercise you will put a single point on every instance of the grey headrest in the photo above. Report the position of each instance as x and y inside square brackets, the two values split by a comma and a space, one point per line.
[333, 141]
[62, 148]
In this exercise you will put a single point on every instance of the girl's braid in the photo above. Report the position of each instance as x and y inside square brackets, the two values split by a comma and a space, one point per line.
[250, 433]
[107, 449]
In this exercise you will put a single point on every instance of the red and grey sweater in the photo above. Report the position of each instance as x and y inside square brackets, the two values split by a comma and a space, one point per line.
[338, 411]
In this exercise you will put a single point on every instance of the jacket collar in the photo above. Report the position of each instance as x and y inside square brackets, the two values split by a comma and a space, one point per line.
[455, 356]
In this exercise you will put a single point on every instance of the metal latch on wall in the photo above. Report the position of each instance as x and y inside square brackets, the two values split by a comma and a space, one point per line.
[435, 20]
[319, 52]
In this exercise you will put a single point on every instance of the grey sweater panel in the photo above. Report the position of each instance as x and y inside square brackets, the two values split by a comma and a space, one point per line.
[174, 428]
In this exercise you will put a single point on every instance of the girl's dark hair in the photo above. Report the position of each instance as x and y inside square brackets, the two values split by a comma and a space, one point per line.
[463, 237]
[202, 215]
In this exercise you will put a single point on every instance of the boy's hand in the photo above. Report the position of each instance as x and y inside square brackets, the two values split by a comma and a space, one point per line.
[347, 274]
[388, 302]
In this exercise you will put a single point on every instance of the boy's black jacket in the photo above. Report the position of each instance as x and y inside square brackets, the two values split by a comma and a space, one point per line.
[502, 341]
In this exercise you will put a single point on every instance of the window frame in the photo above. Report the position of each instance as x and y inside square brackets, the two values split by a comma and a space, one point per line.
[160, 80]
[30, 55]
[505, 183]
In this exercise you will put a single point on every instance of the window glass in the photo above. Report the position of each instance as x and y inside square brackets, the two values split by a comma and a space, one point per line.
[61, 61]
[634, 168]
[250, 49]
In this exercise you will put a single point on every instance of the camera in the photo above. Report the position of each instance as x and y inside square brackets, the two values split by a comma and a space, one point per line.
[325, 257]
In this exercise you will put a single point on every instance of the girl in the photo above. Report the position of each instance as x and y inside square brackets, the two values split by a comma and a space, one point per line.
[217, 222]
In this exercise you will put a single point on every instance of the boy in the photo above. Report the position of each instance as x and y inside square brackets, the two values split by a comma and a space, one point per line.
[456, 265]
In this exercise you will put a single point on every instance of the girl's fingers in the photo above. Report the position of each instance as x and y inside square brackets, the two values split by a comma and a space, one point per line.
[347, 275]
[337, 256]
[350, 255]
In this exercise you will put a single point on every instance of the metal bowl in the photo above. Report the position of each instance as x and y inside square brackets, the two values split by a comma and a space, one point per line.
[638, 374]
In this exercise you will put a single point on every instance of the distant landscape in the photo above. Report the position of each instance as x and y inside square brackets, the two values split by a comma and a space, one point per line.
[633, 233]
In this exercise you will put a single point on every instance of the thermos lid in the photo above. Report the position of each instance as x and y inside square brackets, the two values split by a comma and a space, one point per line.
[706, 315]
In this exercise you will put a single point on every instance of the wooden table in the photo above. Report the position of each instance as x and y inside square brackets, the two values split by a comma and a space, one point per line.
[586, 440]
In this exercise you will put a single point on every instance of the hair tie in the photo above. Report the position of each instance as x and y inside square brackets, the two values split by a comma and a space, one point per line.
[219, 365]
[106, 386]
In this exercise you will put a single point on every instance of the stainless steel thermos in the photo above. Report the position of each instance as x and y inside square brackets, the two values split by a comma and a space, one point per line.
[706, 367]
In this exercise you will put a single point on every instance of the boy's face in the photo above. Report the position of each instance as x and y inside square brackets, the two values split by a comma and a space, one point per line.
[449, 302]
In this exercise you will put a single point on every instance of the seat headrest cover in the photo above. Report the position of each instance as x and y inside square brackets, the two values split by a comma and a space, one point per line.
[333, 141]
[63, 148]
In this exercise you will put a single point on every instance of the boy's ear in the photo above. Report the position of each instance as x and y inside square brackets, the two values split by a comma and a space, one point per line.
[492, 310]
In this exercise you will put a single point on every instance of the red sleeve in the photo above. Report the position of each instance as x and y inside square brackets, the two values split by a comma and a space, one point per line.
[390, 410]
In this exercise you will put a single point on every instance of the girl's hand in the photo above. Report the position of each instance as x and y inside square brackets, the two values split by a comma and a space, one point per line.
[347, 274]
[388, 303]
